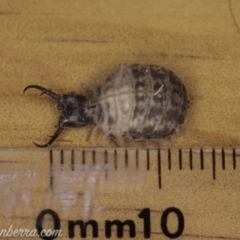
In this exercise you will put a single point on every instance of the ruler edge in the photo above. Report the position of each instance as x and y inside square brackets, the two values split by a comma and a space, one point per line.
[204, 148]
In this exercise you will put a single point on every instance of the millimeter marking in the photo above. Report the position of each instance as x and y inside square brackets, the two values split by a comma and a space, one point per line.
[148, 161]
[51, 168]
[137, 164]
[180, 159]
[72, 159]
[169, 159]
[223, 159]
[191, 154]
[115, 160]
[213, 164]
[234, 158]
[190, 159]
[126, 159]
[202, 159]
[159, 170]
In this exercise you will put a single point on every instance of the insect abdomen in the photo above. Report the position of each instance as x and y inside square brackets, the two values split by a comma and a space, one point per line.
[140, 102]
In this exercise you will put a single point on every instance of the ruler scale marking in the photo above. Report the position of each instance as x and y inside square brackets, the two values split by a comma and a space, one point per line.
[159, 169]
[51, 168]
[169, 159]
[115, 160]
[126, 159]
[223, 159]
[94, 157]
[180, 158]
[234, 158]
[83, 159]
[72, 160]
[106, 163]
[190, 159]
[213, 164]
[148, 162]
[137, 165]
[62, 159]
[202, 158]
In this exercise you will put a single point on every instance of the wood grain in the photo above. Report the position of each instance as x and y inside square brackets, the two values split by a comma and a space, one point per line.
[69, 45]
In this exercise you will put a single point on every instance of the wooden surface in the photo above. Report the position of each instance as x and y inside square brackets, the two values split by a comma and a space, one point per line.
[64, 45]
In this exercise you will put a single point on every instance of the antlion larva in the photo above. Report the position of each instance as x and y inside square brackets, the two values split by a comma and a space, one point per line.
[139, 102]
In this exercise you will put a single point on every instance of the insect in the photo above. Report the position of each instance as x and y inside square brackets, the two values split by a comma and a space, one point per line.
[139, 102]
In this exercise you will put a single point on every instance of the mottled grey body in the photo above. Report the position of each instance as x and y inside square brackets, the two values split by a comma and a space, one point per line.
[140, 102]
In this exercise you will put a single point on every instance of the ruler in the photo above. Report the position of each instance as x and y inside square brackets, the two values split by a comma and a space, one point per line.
[120, 193]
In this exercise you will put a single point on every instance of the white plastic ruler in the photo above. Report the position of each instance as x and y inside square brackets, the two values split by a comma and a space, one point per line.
[138, 193]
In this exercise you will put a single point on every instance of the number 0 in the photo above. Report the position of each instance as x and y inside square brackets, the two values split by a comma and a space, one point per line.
[180, 222]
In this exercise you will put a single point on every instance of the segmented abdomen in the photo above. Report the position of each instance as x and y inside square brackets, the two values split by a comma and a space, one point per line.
[140, 102]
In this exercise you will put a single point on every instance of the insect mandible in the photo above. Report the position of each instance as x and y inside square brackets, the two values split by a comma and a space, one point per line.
[139, 102]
